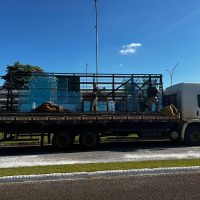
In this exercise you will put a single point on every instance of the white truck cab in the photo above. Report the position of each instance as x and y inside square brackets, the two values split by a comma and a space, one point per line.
[186, 97]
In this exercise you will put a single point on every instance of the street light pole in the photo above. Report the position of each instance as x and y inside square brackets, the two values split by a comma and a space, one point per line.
[86, 71]
[170, 76]
[171, 73]
[97, 39]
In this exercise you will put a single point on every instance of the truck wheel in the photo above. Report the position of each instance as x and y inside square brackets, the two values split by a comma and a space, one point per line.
[62, 140]
[192, 135]
[89, 139]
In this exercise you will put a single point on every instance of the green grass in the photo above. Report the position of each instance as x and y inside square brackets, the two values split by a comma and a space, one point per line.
[97, 167]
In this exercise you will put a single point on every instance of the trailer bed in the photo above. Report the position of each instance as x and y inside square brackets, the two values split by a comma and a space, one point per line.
[83, 117]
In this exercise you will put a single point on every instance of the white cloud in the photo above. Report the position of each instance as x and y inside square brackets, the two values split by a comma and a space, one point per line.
[133, 45]
[129, 49]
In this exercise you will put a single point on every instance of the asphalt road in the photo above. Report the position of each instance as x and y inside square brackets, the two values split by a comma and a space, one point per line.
[159, 187]
[107, 152]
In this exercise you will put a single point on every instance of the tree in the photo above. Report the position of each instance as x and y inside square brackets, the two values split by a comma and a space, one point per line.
[18, 75]
[16, 78]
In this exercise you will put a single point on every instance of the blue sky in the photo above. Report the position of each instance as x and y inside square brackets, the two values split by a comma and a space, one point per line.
[135, 36]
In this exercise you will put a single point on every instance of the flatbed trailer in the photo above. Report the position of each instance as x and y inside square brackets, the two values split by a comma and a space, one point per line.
[63, 127]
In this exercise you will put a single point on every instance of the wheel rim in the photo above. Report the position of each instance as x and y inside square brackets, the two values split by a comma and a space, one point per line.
[89, 139]
[195, 136]
[62, 141]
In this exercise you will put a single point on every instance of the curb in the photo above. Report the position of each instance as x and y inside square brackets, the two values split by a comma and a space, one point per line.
[103, 174]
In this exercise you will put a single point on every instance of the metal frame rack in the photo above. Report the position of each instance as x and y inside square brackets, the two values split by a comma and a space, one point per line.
[67, 88]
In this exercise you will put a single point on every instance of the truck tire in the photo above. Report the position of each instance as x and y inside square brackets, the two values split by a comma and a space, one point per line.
[192, 135]
[62, 140]
[89, 139]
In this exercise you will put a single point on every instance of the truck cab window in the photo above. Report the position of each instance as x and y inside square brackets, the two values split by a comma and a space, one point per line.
[198, 100]
[171, 99]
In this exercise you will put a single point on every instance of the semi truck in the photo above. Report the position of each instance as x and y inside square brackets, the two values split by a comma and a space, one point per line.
[118, 113]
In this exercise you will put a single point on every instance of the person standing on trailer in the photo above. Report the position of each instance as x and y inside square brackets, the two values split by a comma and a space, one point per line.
[152, 95]
[94, 101]
[142, 101]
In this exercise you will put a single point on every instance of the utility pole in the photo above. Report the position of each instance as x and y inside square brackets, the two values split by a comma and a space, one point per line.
[86, 71]
[171, 73]
[97, 40]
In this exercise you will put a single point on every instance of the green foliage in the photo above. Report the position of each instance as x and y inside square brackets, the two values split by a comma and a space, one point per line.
[18, 74]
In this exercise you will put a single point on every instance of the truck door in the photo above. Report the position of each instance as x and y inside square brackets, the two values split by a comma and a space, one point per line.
[198, 106]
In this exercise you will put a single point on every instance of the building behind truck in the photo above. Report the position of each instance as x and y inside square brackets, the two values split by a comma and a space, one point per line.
[120, 110]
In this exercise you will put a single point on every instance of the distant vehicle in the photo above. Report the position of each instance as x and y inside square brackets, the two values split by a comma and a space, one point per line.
[124, 106]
